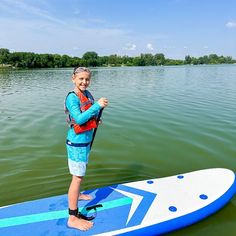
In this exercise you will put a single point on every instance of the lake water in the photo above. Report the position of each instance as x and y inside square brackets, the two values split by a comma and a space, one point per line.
[161, 121]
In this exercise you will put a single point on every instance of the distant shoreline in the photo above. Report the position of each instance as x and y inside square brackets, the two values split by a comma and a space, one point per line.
[11, 68]
[91, 59]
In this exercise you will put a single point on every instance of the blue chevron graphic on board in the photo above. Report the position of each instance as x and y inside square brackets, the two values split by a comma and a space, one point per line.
[141, 203]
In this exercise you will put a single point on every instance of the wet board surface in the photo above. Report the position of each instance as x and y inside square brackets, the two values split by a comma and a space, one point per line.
[148, 207]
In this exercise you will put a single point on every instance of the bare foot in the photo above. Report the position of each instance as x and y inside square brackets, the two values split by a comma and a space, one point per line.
[85, 197]
[77, 223]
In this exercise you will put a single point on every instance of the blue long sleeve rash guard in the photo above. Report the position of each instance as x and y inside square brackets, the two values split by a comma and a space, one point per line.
[73, 105]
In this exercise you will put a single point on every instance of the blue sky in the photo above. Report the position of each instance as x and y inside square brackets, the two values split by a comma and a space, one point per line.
[124, 27]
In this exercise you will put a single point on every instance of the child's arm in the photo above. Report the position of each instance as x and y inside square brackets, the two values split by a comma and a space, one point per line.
[72, 104]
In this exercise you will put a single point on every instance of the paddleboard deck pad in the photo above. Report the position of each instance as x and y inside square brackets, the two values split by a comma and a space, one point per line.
[149, 207]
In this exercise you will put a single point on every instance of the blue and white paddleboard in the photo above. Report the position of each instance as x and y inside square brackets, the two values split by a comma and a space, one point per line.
[149, 207]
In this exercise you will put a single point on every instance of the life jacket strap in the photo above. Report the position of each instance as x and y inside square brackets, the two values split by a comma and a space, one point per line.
[68, 142]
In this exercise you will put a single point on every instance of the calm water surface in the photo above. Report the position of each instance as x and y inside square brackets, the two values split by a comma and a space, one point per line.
[161, 121]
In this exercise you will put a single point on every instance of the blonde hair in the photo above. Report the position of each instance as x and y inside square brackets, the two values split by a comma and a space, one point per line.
[79, 69]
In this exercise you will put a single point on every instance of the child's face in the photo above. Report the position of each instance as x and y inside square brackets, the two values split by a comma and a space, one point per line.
[81, 80]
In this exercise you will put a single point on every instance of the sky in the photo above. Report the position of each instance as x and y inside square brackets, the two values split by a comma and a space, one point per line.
[175, 28]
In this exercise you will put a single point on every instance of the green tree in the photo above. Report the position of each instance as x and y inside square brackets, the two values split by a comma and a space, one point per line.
[91, 58]
[57, 61]
[114, 60]
[76, 61]
[4, 56]
[188, 60]
[148, 59]
[139, 61]
[229, 60]
[66, 62]
[213, 59]
[159, 59]
[103, 61]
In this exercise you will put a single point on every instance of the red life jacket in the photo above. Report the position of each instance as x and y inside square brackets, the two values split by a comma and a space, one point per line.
[85, 104]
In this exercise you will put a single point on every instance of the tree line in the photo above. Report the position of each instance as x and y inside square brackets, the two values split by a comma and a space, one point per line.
[91, 59]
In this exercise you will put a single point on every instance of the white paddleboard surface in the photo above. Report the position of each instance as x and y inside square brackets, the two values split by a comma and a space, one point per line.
[181, 195]
[148, 207]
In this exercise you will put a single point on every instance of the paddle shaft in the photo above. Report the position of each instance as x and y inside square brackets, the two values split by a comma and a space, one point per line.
[95, 130]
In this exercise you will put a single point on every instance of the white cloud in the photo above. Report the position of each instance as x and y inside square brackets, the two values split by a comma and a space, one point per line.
[130, 47]
[35, 28]
[231, 24]
[41, 36]
[150, 47]
[23, 9]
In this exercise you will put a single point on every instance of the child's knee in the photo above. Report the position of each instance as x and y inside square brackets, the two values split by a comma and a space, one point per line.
[77, 179]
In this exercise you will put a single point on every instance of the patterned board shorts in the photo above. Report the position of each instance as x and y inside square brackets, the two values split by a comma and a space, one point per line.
[78, 158]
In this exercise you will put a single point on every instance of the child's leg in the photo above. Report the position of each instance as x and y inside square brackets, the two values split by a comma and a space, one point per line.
[74, 190]
[73, 195]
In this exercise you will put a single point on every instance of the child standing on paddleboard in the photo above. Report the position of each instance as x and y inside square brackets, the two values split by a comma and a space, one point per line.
[82, 118]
